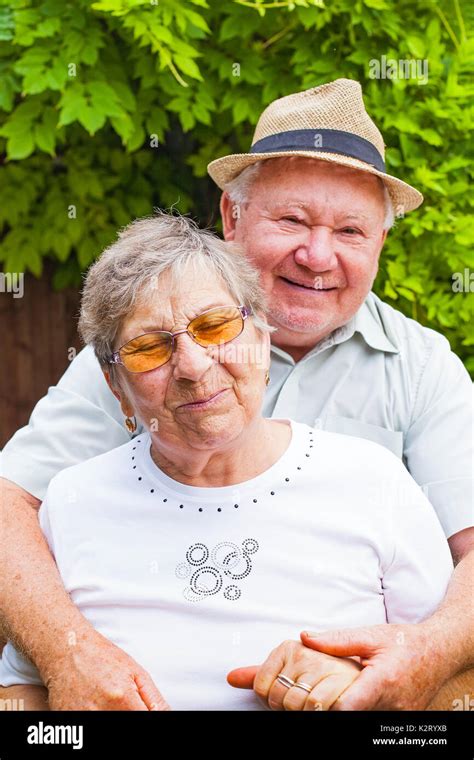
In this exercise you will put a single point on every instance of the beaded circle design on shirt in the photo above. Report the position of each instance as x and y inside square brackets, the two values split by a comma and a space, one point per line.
[207, 571]
[236, 506]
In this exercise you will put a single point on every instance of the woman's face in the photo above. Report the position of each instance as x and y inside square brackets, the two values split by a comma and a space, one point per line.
[201, 398]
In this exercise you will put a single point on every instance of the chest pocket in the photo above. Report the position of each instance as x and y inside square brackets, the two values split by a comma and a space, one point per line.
[391, 439]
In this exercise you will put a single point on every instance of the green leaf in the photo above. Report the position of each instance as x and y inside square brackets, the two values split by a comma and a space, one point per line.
[61, 244]
[157, 122]
[416, 46]
[196, 19]
[187, 120]
[229, 29]
[188, 66]
[431, 137]
[91, 119]
[45, 138]
[20, 145]
[71, 104]
[86, 252]
[124, 126]
[240, 110]
[201, 113]
[389, 290]
[33, 261]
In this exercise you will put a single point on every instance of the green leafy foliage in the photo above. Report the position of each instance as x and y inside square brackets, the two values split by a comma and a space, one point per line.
[110, 108]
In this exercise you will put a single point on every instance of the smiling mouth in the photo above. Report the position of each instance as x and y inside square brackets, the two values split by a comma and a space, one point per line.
[202, 402]
[305, 287]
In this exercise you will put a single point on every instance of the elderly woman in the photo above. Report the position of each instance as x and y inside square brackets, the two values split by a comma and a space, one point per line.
[209, 542]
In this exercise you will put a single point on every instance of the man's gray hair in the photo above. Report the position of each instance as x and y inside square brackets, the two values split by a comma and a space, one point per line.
[128, 272]
[238, 189]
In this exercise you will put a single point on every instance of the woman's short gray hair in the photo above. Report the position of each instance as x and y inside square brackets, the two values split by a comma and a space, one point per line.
[128, 272]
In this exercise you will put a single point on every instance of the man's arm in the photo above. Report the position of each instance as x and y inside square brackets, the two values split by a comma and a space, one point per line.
[438, 451]
[408, 666]
[81, 669]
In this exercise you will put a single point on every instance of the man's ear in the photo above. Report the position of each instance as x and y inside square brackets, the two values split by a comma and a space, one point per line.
[229, 217]
[382, 243]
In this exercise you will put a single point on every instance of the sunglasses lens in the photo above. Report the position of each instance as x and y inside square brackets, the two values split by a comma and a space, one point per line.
[217, 326]
[146, 352]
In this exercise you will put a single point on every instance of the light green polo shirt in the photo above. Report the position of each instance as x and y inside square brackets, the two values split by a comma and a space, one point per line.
[381, 376]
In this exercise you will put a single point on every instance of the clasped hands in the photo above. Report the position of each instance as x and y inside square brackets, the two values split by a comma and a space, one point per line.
[294, 677]
[383, 667]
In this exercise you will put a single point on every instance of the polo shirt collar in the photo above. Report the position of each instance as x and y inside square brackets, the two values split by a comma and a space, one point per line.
[367, 321]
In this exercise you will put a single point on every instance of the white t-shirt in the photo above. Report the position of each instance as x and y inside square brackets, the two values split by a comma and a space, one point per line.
[193, 582]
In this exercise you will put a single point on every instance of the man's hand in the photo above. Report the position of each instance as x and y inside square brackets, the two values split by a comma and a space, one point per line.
[327, 676]
[97, 675]
[402, 670]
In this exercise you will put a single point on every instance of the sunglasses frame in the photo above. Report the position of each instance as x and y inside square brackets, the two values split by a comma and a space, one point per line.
[115, 357]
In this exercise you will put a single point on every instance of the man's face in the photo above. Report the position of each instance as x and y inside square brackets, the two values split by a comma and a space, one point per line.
[315, 231]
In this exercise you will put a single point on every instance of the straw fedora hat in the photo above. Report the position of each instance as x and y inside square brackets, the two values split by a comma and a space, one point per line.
[329, 123]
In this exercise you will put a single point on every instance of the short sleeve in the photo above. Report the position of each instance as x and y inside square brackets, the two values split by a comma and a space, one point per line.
[16, 670]
[79, 418]
[439, 441]
[44, 518]
[416, 577]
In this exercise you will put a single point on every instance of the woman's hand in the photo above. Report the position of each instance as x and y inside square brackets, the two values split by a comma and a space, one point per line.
[325, 677]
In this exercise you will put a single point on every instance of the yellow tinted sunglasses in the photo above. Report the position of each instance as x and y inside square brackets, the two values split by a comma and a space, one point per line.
[213, 327]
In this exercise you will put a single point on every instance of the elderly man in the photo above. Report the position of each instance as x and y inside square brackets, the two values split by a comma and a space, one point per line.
[311, 204]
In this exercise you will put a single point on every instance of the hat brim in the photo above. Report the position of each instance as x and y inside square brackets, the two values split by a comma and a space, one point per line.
[404, 197]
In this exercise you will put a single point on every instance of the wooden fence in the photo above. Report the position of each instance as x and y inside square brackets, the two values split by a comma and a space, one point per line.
[36, 333]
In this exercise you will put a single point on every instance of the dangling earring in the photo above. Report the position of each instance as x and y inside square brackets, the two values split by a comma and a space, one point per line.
[130, 424]
[267, 377]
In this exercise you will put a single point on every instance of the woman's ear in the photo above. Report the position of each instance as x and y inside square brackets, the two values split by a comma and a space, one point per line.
[124, 402]
[116, 393]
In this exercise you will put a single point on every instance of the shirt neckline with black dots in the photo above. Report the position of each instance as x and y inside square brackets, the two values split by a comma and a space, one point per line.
[182, 507]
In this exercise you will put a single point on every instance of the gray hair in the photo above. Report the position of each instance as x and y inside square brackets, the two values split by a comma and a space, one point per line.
[238, 189]
[128, 272]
